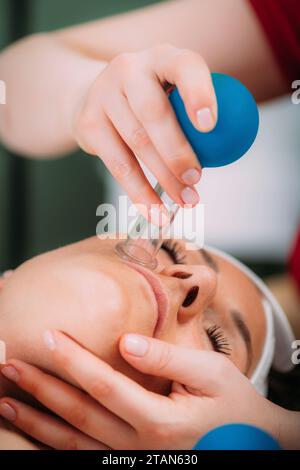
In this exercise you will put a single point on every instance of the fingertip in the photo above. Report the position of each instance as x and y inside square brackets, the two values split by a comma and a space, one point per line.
[49, 339]
[202, 107]
[134, 345]
[13, 362]
[191, 176]
[10, 372]
[205, 119]
[158, 215]
[7, 411]
[190, 197]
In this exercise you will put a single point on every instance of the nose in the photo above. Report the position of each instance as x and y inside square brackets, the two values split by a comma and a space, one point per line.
[194, 285]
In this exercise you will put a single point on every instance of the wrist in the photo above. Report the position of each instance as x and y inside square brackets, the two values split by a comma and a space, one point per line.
[289, 429]
[79, 90]
[267, 417]
[82, 72]
[282, 424]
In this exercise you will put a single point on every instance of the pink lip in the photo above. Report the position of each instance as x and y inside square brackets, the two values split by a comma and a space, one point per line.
[159, 293]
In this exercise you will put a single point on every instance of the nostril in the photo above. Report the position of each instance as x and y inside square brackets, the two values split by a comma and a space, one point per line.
[182, 275]
[191, 296]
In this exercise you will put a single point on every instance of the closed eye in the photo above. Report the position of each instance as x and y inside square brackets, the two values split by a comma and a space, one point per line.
[218, 340]
[175, 251]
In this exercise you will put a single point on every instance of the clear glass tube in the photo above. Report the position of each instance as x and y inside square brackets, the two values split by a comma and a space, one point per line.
[145, 239]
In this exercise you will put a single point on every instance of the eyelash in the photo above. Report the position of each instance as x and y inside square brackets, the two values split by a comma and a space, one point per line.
[217, 338]
[175, 251]
[219, 342]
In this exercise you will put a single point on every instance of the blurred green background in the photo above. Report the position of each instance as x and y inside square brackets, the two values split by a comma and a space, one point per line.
[45, 204]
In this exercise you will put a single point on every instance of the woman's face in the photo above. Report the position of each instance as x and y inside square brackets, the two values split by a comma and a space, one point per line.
[193, 299]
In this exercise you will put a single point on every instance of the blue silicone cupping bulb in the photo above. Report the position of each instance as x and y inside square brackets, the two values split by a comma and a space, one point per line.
[232, 136]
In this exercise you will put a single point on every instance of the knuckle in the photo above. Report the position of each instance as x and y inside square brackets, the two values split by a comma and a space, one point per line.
[163, 48]
[186, 57]
[77, 416]
[164, 358]
[184, 60]
[84, 128]
[124, 62]
[197, 97]
[86, 123]
[171, 184]
[36, 389]
[139, 139]
[100, 389]
[181, 157]
[154, 110]
[152, 424]
[29, 426]
[70, 443]
[161, 431]
[121, 169]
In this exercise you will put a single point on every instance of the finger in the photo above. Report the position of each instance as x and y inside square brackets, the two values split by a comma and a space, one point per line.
[5, 275]
[97, 136]
[190, 73]
[137, 139]
[201, 370]
[119, 394]
[46, 429]
[71, 404]
[153, 110]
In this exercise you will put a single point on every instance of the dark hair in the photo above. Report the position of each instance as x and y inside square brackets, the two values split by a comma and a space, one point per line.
[284, 389]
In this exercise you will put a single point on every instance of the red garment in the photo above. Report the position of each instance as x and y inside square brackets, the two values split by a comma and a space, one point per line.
[294, 261]
[280, 20]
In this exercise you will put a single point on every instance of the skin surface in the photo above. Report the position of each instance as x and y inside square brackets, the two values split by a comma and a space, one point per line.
[225, 33]
[88, 292]
[106, 91]
[80, 55]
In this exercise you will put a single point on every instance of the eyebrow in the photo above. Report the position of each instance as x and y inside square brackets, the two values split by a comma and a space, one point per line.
[209, 260]
[245, 334]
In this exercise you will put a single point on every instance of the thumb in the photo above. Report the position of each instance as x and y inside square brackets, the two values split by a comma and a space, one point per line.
[203, 370]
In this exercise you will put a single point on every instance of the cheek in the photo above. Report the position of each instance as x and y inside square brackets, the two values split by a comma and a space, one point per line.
[101, 318]
[189, 335]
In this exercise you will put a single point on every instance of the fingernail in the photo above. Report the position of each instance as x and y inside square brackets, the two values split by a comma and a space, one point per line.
[191, 176]
[7, 273]
[49, 340]
[2, 352]
[10, 373]
[136, 345]
[205, 120]
[7, 412]
[189, 196]
[158, 216]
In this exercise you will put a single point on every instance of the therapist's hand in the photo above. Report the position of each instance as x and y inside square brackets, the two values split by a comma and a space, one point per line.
[126, 112]
[207, 391]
